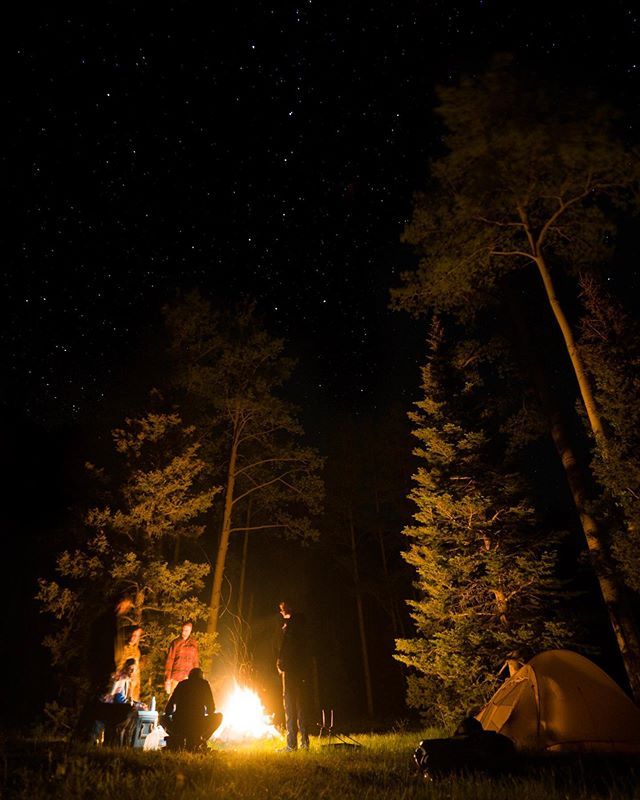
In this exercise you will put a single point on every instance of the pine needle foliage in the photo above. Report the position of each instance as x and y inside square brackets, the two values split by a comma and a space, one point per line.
[151, 509]
[485, 572]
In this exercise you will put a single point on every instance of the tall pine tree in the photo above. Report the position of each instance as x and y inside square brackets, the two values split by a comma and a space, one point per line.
[485, 571]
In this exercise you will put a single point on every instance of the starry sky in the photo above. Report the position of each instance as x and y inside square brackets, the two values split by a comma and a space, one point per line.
[267, 150]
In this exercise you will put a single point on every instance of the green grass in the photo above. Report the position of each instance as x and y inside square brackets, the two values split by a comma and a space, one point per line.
[382, 768]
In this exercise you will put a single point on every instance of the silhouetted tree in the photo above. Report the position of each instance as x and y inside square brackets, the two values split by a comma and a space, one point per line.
[230, 370]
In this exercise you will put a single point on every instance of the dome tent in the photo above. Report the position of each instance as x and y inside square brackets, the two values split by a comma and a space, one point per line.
[562, 702]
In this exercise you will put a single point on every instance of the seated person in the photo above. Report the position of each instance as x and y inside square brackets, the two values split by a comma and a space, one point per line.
[131, 650]
[115, 711]
[190, 714]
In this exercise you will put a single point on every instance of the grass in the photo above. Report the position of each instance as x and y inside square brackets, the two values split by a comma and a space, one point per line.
[382, 768]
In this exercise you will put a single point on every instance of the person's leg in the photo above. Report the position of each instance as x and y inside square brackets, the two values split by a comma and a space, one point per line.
[120, 721]
[176, 737]
[127, 728]
[210, 724]
[290, 711]
[303, 713]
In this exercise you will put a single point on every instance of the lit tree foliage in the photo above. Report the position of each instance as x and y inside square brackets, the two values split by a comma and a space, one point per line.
[610, 343]
[230, 370]
[528, 182]
[520, 187]
[152, 506]
[485, 570]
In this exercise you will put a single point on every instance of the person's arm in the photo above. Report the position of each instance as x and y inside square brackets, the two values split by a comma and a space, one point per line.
[209, 702]
[168, 666]
[171, 705]
[197, 658]
[171, 657]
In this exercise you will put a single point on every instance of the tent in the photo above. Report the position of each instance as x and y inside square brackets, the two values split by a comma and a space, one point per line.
[562, 702]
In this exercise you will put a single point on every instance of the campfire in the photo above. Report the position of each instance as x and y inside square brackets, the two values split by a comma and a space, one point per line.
[244, 718]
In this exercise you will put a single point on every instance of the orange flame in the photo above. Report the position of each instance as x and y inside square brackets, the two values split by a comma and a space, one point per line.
[244, 718]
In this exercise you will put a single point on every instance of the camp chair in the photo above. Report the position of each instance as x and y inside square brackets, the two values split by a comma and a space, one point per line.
[343, 739]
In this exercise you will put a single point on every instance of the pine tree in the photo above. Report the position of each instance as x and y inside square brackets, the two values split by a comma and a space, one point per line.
[485, 570]
[152, 504]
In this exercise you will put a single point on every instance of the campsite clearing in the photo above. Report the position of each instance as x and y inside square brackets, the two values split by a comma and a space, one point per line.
[382, 768]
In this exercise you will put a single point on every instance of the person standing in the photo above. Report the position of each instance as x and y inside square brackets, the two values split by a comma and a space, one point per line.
[293, 666]
[183, 656]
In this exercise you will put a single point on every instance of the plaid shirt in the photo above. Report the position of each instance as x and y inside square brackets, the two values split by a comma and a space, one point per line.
[182, 657]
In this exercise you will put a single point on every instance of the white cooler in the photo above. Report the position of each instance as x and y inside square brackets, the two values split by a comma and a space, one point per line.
[146, 722]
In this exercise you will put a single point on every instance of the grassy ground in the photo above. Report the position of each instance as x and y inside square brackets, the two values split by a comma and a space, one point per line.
[382, 768]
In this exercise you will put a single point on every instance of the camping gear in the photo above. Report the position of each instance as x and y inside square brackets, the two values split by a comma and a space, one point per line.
[343, 740]
[155, 740]
[470, 750]
[561, 702]
[145, 724]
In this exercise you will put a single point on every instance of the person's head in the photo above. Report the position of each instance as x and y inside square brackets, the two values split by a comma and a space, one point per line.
[124, 604]
[196, 674]
[187, 627]
[129, 667]
[134, 636]
[285, 609]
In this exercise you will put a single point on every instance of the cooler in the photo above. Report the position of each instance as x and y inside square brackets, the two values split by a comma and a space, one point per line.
[146, 722]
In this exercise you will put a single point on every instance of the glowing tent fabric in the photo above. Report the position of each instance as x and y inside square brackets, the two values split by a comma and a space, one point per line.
[562, 702]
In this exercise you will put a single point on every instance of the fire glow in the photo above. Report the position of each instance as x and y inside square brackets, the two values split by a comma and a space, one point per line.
[244, 718]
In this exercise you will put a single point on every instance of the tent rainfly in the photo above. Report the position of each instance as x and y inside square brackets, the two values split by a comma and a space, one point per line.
[562, 702]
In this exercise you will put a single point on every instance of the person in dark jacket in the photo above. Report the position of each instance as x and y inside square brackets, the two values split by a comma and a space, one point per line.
[190, 713]
[293, 666]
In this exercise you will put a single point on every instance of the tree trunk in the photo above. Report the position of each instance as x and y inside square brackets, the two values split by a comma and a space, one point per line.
[393, 612]
[243, 565]
[223, 544]
[574, 354]
[363, 633]
[612, 591]
[620, 615]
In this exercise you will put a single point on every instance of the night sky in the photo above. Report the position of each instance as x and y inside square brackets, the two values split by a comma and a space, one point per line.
[263, 152]
[269, 152]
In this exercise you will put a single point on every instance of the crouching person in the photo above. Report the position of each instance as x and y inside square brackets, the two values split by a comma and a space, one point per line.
[190, 716]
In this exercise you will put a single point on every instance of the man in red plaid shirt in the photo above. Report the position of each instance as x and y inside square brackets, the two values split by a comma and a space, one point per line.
[182, 657]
